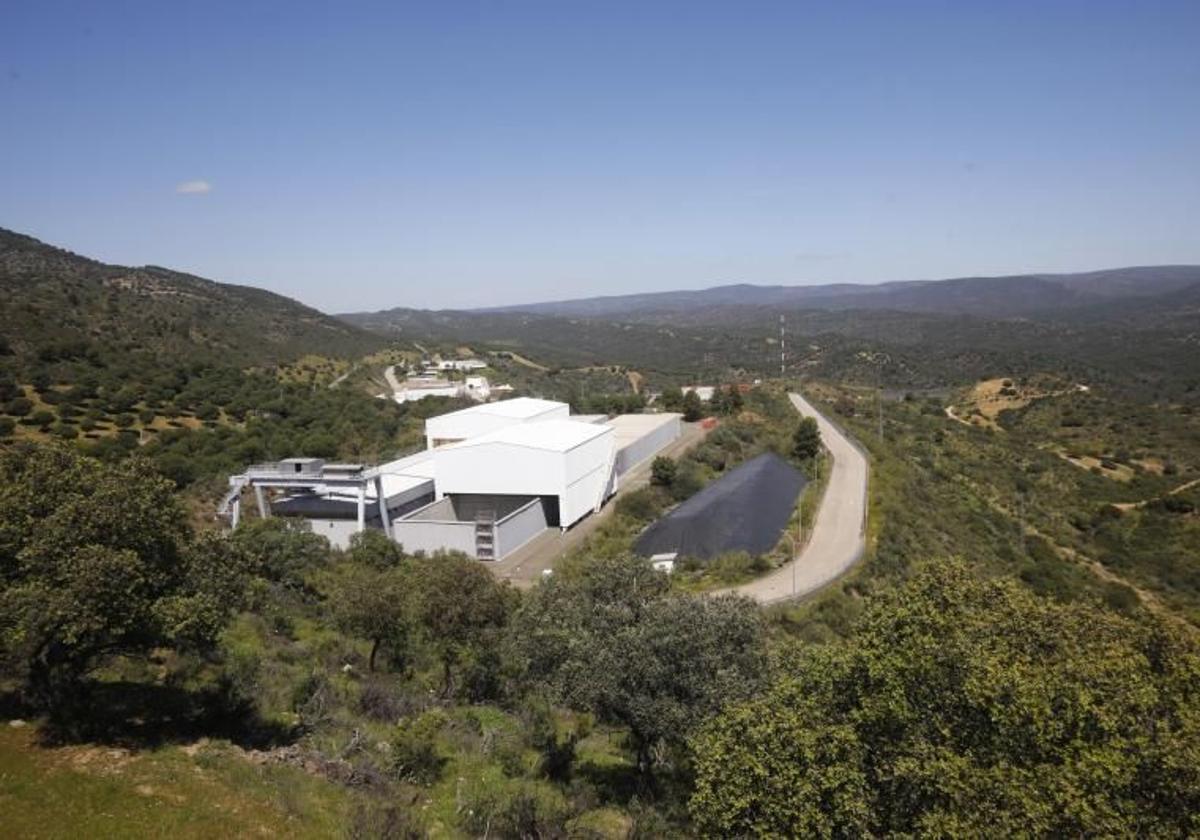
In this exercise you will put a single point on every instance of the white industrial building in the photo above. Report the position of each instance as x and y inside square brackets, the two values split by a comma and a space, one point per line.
[493, 477]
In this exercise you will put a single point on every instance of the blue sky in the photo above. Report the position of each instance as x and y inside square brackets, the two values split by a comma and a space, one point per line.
[450, 154]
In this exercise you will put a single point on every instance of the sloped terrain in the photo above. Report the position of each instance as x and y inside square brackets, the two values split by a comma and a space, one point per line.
[60, 305]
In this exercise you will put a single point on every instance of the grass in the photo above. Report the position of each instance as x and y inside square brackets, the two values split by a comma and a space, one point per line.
[209, 790]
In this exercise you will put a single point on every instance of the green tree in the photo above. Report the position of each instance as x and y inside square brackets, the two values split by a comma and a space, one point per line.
[672, 398]
[964, 708]
[605, 636]
[282, 551]
[460, 607]
[693, 408]
[376, 550]
[806, 440]
[735, 400]
[96, 561]
[662, 471]
[374, 604]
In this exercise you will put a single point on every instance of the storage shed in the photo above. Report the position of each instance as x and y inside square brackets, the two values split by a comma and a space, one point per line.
[744, 510]
[569, 464]
[489, 417]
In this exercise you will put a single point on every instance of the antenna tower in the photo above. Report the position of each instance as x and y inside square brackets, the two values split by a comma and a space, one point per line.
[782, 345]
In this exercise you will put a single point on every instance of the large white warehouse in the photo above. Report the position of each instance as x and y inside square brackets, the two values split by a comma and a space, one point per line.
[493, 477]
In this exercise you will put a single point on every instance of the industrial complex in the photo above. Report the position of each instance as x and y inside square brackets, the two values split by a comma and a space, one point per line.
[493, 477]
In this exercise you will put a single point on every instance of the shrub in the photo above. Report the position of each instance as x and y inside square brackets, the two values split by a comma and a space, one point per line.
[515, 808]
[415, 757]
[18, 407]
[662, 471]
[644, 505]
[688, 481]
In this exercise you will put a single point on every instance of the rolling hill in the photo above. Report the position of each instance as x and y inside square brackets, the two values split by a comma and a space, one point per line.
[1024, 296]
[57, 303]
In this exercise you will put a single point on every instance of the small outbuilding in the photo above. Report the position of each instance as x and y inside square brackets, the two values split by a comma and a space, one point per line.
[744, 510]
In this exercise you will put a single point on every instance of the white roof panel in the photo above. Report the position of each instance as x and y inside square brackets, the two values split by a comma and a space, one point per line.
[551, 435]
[519, 408]
[632, 427]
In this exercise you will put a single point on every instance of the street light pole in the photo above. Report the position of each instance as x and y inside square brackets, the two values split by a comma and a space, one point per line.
[796, 544]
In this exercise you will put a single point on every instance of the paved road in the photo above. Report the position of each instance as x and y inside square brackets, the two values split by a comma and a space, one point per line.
[837, 539]
[389, 373]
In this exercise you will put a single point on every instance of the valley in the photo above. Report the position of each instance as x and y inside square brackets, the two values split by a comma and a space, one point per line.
[1025, 470]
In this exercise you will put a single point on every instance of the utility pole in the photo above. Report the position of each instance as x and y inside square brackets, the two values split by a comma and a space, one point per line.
[879, 397]
[797, 544]
[782, 346]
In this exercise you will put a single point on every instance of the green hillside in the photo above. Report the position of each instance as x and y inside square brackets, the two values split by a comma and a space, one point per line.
[59, 305]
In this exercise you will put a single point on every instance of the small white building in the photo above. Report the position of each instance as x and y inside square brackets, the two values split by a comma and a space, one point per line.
[477, 388]
[418, 388]
[461, 364]
[704, 392]
[489, 417]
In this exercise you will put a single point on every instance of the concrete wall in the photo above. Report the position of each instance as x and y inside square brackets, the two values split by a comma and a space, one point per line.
[520, 527]
[337, 531]
[467, 506]
[420, 532]
[588, 474]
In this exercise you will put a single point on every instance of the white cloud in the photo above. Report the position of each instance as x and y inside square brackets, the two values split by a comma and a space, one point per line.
[193, 187]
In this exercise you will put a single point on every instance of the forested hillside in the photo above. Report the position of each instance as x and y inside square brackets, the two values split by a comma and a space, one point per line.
[1024, 295]
[61, 306]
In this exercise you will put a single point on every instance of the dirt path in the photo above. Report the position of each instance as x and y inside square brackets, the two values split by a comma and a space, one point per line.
[838, 537]
[389, 373]
[529, 363]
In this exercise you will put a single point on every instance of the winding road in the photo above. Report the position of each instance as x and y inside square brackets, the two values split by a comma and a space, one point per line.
[838, 533]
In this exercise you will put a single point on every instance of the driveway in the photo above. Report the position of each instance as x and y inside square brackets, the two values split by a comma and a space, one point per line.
[838, 534]
[389, 373]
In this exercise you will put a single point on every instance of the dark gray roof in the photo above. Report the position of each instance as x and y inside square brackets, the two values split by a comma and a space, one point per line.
[744, 510]
[320, 507]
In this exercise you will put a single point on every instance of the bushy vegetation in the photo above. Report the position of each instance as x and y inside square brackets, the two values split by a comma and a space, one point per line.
[965, 708]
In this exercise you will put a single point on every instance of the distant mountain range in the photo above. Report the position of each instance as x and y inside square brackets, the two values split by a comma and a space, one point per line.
[1091, 293]
[57, 302]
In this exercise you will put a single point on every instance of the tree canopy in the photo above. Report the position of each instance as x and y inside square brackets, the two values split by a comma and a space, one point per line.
[97, 560]
[607, 637]
[806, 440]
[966, 708]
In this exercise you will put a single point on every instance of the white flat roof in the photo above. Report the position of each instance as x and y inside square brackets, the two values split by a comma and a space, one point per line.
[631, 427]
[551, 435]
[518, 408]
[419, 465]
